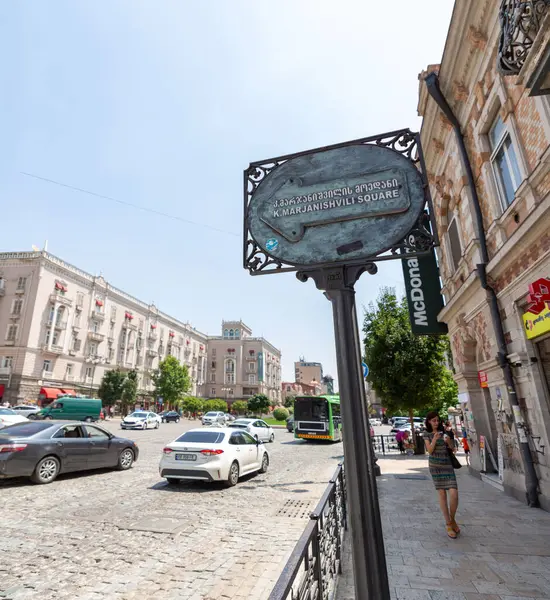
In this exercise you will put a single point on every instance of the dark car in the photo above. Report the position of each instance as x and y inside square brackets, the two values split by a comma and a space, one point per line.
[290, 424]
[42, 450]
[170, 415]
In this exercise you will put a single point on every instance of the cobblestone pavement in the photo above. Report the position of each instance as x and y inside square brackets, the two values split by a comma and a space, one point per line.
[129, 535]
[503, 552]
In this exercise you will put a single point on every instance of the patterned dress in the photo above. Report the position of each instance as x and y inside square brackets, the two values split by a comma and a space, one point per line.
[441, 469]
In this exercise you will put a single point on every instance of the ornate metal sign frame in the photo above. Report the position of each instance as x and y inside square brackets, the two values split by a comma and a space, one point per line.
[418, 242]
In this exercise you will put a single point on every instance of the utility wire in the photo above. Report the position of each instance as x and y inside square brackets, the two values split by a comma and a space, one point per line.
[123, 202]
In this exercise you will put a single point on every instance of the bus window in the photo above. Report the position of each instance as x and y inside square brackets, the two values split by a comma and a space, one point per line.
[309, 409]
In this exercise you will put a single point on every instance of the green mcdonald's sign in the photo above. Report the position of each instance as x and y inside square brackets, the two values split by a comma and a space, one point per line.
[424, 296]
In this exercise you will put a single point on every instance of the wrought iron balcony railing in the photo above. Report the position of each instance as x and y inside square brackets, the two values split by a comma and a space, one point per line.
[520, 22]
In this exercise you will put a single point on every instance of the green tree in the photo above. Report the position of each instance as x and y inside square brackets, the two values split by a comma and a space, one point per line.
[406, 371]
[259, 404]
[215, 404]
[191, 404]
[171, 380]
[280, 414]
[289, 401]
[110, 389]
[129, 391]
[240, 407]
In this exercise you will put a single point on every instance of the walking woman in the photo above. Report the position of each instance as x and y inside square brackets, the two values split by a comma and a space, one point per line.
[438, 444]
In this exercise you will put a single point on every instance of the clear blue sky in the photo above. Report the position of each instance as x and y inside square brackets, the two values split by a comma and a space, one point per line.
[163, 104]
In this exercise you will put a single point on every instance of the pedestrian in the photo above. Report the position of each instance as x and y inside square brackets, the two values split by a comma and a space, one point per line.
[399, 437]
[466, 447]
[439, 445]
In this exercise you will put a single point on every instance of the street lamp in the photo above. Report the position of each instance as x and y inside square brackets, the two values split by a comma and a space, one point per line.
[95, 361]
[226, 389]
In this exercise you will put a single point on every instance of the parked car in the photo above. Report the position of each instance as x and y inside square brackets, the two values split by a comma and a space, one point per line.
[229, 417]
[42, 450]
[257, 428]
[10, 417]
[170, 416]
[26, 410]
[72, 409]
[213, 416]
[290, 424]
[375, 422]
[217, 454]
[141, 419]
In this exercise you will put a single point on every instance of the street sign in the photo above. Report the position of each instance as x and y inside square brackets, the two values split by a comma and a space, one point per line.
[365, 370]
[161, 400]
[335, 205]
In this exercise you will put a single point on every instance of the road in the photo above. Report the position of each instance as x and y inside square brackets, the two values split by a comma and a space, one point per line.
[130, 535]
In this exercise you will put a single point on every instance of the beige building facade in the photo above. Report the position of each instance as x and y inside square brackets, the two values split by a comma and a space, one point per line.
[62, 328]
[306, 372]
[241, 366]
[506, 129]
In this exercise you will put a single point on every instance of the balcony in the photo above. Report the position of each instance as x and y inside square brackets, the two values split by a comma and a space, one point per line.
[153, 335]
[55, 349]
[5, 371]
[97, 315]
[95, 336]
[59, 299]
[69, 377]
[152, 352]
[47, 374]
[61, 325]
[521, 22]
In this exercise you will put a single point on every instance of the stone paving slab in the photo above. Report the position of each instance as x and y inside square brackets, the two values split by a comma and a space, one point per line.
[503, 552]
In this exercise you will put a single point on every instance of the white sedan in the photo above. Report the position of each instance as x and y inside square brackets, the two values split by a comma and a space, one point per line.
[141, 419]
[257, 428]
[10, 417]
[213, 454]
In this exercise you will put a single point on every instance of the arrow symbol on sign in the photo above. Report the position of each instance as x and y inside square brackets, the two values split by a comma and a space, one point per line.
[365, 370]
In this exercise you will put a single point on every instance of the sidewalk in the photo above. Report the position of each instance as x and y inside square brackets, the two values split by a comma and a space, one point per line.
[503, 552]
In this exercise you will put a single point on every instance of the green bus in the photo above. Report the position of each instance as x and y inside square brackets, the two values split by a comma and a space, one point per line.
[317, 418]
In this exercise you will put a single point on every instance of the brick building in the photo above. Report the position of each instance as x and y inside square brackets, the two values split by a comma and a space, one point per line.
[490, 74]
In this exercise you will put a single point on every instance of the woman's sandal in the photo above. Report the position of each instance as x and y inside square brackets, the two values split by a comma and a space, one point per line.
[455, 526]
[450, 531]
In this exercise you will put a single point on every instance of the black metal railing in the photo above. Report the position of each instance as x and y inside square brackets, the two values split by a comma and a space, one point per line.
[315, 564]
[519, 23]
[385, 444]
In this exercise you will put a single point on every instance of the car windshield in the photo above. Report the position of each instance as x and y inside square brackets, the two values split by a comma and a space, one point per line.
[139, 415]
[242, 422]
[211, 414]
[202, 437]
[7, 411]
[23, 430]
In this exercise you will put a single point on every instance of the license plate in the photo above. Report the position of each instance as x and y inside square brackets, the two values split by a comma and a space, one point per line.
[186, 457]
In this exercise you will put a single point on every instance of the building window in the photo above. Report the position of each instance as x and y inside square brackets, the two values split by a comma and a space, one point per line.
[230, 366]
[226, 333]
[11, 333]
[504, 162]
[92, 349]
[231, 333]
[89, 372]
[113, 313]
[252, 367]
[252, 379]
[212, 377]
[76, 344]
[47, 366]
[213, 352]
[212, 391]
[213, 364]
[69, 369]
[77, 316]
[79, 299]
[16, 306]
[237, 333]
[454, 247]
[230, 378]
[21, 284]
[6, 362]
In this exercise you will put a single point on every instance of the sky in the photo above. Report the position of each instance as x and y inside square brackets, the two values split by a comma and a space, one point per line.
[162, 104]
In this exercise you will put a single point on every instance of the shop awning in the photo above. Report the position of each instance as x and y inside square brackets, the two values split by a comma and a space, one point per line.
[2, 388]
[49, 393]
[68, 392]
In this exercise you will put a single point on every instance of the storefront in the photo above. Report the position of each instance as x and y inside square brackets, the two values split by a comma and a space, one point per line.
[48, 395]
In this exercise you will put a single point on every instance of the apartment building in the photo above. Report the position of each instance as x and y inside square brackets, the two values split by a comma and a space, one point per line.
[300, 389]
[240, 365]
[495, 228]
[308, 372]
[62, 328]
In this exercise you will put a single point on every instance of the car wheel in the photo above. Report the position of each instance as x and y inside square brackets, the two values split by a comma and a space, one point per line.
[272, 438]
[144, 424]
[177, 420]
[125, 459]
[157, 425]
[265, 463]
[233, 477]
[46, 470]
[48, 418]
[88, 419]
[31, 417]
[173, 480]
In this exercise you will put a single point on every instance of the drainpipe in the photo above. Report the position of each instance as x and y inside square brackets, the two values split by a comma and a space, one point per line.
[531, 478]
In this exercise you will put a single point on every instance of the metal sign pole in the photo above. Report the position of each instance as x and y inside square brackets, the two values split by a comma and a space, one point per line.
[369, 560]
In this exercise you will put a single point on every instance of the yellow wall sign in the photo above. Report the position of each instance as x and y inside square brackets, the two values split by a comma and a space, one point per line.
[536, 325]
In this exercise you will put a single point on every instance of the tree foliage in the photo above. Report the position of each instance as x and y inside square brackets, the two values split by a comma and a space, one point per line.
[110, 389]
[171, 380]
[129, 390]
[289, 401]
[240, 407]
[407, 372]
[280, 414]
[259, 404]
[191, 404]
[214, 404]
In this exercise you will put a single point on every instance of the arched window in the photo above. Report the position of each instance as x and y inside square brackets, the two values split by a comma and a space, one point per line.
[237, 333]
[226, 333]
[231, 333]
[230, 366]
